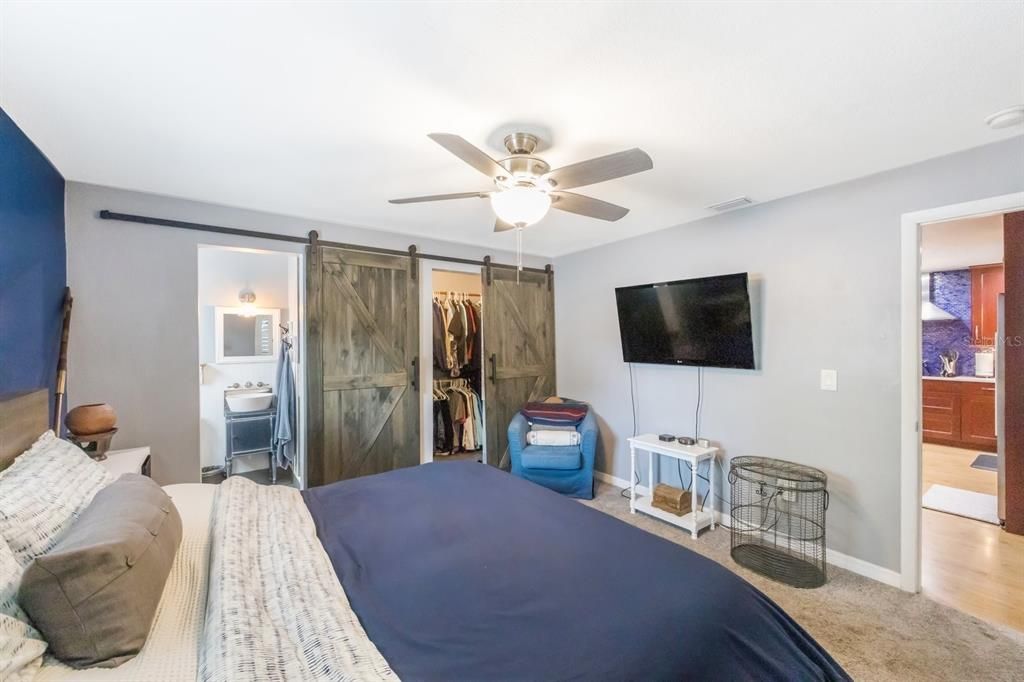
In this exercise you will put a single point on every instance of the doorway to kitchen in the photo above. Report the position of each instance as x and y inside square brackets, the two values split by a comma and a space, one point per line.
[955, 454]
[251, 406]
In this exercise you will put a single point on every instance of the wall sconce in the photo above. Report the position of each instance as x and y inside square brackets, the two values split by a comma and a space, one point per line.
[248, 300]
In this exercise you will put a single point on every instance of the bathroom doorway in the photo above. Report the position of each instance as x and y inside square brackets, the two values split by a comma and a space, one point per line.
[251, 379]
[452, 347]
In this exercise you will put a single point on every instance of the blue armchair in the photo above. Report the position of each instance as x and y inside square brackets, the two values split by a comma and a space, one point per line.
[568, 469]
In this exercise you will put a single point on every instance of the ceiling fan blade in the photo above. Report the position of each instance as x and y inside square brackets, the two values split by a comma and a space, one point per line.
[470, 154]
[501, 226]
[600, 169]
[438, 197]
[588, 206]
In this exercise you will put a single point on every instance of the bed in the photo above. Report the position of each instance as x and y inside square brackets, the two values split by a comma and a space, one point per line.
[448, 571]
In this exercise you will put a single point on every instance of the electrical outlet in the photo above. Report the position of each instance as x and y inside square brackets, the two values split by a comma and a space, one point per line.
[829, 380]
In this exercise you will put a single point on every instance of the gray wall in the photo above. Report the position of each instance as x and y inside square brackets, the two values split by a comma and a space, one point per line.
[134, 333]
[825, 270]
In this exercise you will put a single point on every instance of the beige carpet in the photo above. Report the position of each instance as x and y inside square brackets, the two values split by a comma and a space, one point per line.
[876, 632]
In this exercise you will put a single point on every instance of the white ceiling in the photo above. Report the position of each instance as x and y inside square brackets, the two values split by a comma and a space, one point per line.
[321, 110]
[957, 244]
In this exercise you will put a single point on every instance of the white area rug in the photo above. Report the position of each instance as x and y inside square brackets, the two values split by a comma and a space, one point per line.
[962, 503]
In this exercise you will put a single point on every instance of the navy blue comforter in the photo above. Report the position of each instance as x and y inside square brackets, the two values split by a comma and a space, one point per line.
[461, 572]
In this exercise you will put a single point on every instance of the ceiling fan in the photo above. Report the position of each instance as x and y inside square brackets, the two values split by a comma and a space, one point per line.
[526, 187]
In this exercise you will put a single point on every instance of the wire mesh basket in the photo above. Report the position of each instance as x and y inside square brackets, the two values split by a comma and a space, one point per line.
[778, 519]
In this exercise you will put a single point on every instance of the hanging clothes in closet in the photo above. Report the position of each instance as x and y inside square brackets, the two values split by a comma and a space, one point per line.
[458, 417]
[456, 339]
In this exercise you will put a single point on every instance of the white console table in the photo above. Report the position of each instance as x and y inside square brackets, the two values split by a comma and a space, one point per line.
[697, 519]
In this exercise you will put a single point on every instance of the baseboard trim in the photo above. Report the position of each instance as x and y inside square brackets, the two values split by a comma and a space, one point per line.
[854, 565]
[865, 568]
[617, 482]
[611, 480]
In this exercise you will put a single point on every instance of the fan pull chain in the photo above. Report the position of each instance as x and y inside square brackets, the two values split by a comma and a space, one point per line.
[519, 252]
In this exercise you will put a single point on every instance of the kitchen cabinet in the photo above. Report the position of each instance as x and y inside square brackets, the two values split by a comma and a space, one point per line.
[978, 415]
[986, 285]
[959, 413]
[940, 411]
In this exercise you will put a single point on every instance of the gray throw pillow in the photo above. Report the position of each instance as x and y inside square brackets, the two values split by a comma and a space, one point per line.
[94, 594]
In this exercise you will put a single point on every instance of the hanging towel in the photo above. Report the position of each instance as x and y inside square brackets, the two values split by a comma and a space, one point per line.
[284, 429]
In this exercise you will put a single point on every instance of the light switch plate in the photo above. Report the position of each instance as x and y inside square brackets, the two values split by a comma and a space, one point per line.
[829, 380]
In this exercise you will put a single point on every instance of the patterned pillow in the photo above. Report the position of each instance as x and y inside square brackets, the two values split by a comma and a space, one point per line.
[555, 414]
[43, 492]
[21, 645]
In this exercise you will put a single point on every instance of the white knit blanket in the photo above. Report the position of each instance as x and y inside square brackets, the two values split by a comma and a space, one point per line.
[556, 438]
[276, 610]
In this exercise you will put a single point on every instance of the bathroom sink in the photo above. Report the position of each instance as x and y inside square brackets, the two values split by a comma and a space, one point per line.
[249, 402]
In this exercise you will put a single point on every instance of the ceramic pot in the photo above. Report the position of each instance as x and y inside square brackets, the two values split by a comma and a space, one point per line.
[86, 420]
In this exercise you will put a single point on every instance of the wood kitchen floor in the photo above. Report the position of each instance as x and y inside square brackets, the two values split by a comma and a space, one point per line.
[970, 565]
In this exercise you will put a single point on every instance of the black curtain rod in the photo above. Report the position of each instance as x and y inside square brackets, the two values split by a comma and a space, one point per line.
[234, 231]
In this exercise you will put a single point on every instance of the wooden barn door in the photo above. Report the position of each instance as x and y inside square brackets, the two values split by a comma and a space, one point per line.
[519, 350]
[362, 333]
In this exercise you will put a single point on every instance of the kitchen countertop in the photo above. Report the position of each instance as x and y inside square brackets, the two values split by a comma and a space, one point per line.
[978, 380]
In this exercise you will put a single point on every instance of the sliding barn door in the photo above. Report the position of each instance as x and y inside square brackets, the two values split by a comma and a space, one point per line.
[519, 349]
[362, 336]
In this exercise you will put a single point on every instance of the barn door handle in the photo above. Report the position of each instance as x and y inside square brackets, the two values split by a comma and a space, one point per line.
[415, 372]
[494, 368]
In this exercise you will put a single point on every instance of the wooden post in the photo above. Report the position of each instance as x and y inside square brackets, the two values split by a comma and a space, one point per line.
[62, 362]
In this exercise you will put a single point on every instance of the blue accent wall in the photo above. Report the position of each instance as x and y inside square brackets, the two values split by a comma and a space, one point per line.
[951, 291]
[32, 262]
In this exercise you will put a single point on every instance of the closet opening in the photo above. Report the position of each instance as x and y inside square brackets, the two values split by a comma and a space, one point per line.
[454, 420]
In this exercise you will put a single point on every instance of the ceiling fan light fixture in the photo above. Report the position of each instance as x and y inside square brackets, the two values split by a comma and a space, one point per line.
[521, 206]
[1006, 118]
[526, 187]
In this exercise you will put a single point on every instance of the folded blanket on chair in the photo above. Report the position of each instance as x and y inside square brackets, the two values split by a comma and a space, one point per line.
[556, 438]
[555, 414]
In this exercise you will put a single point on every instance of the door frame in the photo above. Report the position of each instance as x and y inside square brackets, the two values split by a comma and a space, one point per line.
[297, 299]
[910, 368]
[426, 353]
[297, 276]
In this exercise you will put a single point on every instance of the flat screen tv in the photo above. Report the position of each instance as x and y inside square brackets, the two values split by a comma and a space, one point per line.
[703, 322]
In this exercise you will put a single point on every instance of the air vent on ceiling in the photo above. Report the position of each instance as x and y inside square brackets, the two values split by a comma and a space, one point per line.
[738, 202]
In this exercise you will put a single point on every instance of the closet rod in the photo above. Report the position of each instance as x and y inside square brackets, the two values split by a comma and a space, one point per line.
[201, 227]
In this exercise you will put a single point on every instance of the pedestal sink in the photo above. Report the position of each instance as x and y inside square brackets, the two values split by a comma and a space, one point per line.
[250, 402]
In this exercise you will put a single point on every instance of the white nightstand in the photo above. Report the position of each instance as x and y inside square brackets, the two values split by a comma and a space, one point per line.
[130, 461]
[691, 454]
